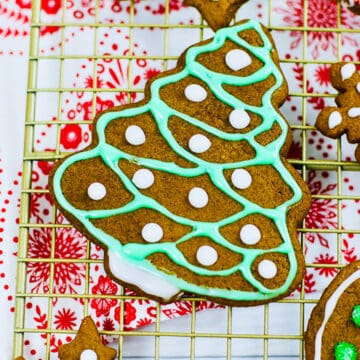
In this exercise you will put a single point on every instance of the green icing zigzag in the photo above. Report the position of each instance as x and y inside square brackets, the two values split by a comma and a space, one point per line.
[270, 154]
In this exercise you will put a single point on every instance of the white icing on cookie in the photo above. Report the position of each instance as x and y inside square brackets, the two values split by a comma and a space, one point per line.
[250, 234]
[329, 309]
[237, 59]
[88, 354]
[241, 178]
[206, 255]
[334, 119]
[143, 178]
[199, 143]
[347, 71]
[354, 112]
[152, 232]
[358, 87]
[96, 191]
[267, 269]
[150, 283]
[198, 197]
[135, 135]
[195, 93]
[239, 119]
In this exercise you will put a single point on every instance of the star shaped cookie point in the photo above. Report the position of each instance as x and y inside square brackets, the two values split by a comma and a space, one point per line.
[86, 345]
[217, 13]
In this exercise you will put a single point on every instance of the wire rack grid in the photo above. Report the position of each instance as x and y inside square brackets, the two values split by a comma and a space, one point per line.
[230, 335]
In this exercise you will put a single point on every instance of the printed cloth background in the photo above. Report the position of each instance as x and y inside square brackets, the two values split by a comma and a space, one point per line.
[321, 248]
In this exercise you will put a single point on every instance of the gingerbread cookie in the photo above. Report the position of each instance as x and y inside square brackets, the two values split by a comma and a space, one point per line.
[353, 5]
[334, 326]
[189, 190]
[86, 345]
[334, 121]
[217, 13]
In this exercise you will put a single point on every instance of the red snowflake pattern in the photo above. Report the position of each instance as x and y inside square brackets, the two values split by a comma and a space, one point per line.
[71, 136]
[108, 324]
[321, 14]
[322, 75]
[65, 319]
[70, 244]
[349, 252]
[322, 214]
[105, 286]
[328, 260]
[129, 314]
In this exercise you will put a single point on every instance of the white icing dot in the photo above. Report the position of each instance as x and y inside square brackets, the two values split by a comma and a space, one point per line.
[152, 232]
[241, 178]
[135, 135]
[239, 119]
[358, 87]
[250, 234]
[354, 112]
[199, 143]
[88, 355]
[195, 93]
[143, 178]
[198, 197]
[237, 59]
[206, 255]
[347, 71]
[334, 119]
[267, 269]
[96, 191]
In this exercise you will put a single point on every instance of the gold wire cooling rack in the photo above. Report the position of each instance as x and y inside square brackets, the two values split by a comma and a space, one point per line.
[230, 336]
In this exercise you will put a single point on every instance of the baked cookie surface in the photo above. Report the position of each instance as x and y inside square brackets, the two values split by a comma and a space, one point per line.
[217, 13]
[334, 326]
[344, 118]
[189, 190]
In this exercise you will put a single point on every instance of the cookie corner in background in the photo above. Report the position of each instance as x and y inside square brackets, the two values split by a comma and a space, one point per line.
[334, 325]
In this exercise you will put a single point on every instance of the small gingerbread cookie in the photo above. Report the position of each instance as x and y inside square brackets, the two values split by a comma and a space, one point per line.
[189, 190]
[333, 330]
[334, 121]
[217, 13]
[86, 345]
[353, 5]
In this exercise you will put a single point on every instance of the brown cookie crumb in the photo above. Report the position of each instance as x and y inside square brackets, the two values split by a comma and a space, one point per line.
[353, 5]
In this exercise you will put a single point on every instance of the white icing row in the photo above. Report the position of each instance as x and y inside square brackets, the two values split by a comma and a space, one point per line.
[249, 233]
[335, 117]
[235, 60]
[198, 143]
[207, 256]
[198, 197]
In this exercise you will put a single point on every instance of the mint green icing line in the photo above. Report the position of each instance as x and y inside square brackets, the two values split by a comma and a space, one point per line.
[264, 155]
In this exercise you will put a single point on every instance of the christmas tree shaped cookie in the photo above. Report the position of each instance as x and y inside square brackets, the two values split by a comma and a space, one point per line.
[189, 190]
